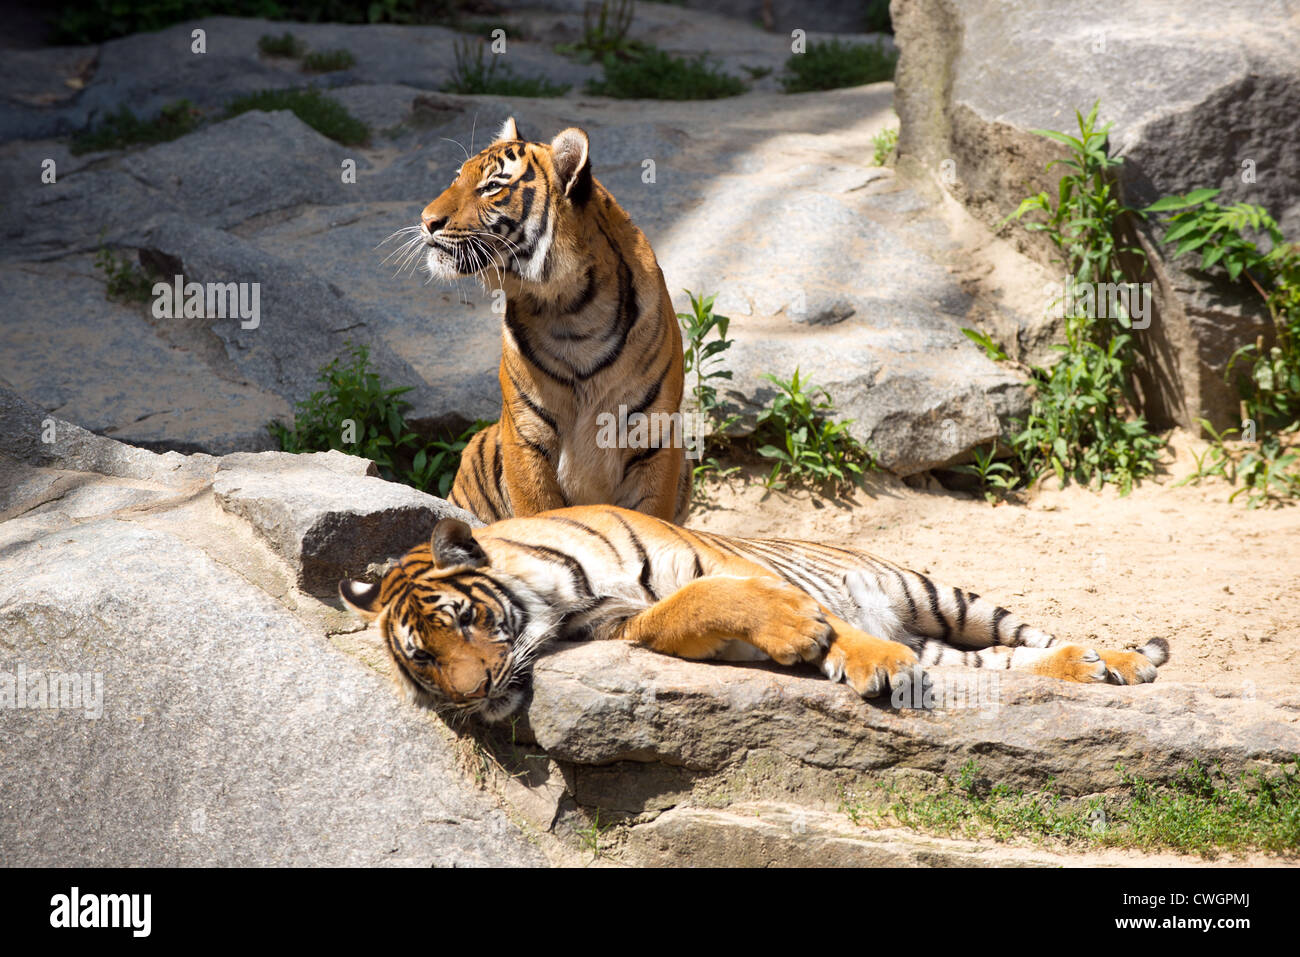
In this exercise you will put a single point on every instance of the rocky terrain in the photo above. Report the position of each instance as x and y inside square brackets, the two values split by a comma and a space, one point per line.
[153, 547]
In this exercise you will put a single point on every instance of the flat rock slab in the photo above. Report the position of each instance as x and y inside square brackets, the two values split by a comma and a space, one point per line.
[602, 702]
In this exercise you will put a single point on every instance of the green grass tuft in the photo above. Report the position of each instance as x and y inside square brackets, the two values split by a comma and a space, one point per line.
[285, 45]
[884, 142]
[1203, 811]
[125, 281]
[829, 66]
[328, 61]
[123, 128]
[323, 114]
[473, 74]
[352, 393]
[656, 75]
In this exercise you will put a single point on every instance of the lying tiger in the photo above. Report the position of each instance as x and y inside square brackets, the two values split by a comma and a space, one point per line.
[589, 329]
[464, 616]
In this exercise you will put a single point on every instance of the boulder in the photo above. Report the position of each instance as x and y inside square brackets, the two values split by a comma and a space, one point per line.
[171, 696]
[1199, 96]
[324, 511]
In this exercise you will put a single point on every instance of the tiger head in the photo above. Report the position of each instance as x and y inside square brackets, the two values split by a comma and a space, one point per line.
[511, 210]
[448, 626]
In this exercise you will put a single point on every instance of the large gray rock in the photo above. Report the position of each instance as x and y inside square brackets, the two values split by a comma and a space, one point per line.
[326, 511]
[1194, 91]
[223, 731]
[210, 721]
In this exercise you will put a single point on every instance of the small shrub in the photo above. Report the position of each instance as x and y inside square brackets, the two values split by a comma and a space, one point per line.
[702, 359]
[126, 281]
[1267, 374]
[1082, 422]
[325, 115]
[352, 393]
[123, 128]
[656, 75]
[797, 431]
[328, 61]
[884, 142]
[473, 74]
[828, 66]
[994, 477]
[285, 45]
[604, 32]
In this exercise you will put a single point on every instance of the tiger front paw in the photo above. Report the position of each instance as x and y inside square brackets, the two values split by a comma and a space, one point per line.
[1071, 663]
[791, 625]
[1136, 667]
[868, 664]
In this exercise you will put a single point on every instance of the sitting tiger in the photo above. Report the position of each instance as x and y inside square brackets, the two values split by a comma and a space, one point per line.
[464, 616]
[589, 329]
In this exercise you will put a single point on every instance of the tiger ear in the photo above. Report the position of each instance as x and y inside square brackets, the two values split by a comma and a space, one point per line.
[454, 546]
[509, 132]
[361, 597]
[572, 162]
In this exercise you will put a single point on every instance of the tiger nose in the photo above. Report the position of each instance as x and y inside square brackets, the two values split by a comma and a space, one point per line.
[432, 222]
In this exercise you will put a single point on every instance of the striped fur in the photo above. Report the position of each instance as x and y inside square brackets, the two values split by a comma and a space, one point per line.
[464, 616]
[588, 329]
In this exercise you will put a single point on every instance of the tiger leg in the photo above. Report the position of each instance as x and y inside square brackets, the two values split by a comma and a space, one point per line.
[866, 663]
[528, 473]
[704, 615]
[652, 483]
[957, 627]
[478, 487]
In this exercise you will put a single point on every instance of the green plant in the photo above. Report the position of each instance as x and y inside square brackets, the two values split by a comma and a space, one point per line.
[126, 281]
[994, 477]
[702, 360]
[589, 836]
[1270, 383]
[829, 66]
[355, 412]
[985, 342]
[328, 61]
[656, 75]
[473, 74]
[1083, 423]
[604, 32]
[884, 142]
[325, 115]
[123, 128]
[1204, 811]
[285, 45]
[797, 431]
[1216, 460]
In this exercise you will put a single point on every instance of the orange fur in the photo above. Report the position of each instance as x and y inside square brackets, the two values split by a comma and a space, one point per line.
[464, 615]
[588, 329]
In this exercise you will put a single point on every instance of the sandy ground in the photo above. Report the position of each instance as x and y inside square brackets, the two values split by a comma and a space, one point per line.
[1218, 580]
